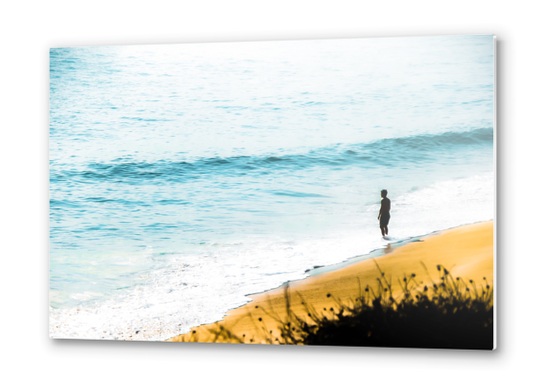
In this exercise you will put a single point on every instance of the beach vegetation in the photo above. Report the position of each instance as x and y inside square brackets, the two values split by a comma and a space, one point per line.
[448, 313]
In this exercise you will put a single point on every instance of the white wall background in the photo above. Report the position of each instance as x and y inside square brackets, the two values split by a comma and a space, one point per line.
[29, 28]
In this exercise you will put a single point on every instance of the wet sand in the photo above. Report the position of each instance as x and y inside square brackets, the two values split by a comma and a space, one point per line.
[465, 251]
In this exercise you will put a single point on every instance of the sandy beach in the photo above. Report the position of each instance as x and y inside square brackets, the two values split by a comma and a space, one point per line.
[466, 251]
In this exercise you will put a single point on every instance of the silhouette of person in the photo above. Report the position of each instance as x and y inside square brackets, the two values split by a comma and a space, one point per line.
[384, 214]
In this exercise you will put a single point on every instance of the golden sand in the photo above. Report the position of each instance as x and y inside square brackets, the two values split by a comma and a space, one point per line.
[465, 251]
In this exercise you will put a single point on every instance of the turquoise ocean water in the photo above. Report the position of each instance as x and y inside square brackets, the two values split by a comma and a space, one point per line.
[183, 177]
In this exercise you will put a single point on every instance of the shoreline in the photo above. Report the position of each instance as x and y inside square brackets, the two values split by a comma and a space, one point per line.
[467, 251]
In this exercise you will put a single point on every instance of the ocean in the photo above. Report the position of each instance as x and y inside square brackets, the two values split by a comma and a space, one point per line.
[184, 177]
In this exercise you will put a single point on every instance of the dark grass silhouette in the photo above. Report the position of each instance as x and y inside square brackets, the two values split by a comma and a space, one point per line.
[450, 313]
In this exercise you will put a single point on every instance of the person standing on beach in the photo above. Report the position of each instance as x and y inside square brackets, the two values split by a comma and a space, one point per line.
[384, 214]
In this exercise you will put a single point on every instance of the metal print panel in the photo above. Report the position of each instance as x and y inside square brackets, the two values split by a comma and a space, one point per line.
[325, 192]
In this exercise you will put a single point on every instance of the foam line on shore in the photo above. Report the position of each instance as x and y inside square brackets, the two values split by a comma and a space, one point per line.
[467, 251]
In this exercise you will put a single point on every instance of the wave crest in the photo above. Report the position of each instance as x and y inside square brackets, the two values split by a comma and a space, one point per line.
[388, 152]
